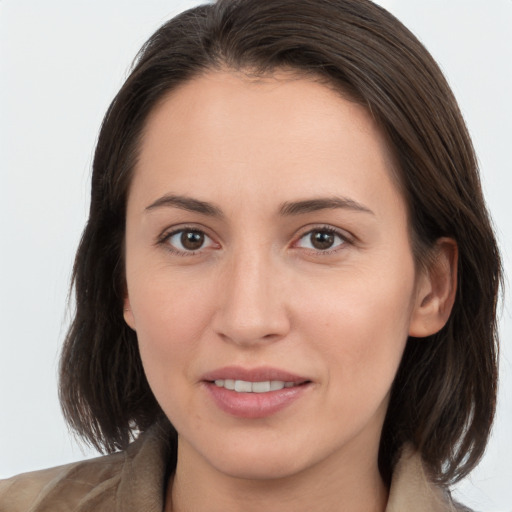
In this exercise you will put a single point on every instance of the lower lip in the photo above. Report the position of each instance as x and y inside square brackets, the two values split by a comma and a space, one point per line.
[254, 405]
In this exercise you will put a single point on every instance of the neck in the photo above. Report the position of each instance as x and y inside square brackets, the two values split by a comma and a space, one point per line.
[342, 482]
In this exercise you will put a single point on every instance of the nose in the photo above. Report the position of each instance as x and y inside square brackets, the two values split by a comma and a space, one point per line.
[252, 305]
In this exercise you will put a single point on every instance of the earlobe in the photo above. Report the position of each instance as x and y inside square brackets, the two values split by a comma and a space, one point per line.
[436, 291]
[128, 313]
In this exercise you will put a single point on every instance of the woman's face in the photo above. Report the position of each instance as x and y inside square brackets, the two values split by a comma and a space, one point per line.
[267, 249]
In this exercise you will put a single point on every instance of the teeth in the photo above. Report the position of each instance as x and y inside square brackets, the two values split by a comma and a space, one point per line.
[261, 387]
[275, 385]
[244, 386]
[229, 384]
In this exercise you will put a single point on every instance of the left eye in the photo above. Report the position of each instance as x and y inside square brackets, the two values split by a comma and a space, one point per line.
[189, 240]
[321, 240]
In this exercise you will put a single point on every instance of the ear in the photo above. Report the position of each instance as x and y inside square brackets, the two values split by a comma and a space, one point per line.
[128, 313]
[435, 290]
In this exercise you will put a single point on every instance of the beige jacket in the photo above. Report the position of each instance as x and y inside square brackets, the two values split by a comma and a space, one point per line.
[134, 481]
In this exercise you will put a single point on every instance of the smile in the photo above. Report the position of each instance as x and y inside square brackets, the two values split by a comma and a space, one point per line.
[256, 392]
[244, 386]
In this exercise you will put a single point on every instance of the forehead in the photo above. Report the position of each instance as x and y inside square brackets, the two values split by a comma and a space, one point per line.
[253, 103]
[287, 131]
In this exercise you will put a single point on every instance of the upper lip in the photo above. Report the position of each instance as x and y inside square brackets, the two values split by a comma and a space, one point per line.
[260, 374]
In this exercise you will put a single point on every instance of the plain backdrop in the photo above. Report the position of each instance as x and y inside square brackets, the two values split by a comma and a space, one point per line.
[61, 62]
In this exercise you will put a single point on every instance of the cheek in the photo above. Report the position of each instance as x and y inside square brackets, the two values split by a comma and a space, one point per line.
[170, 319]
[359, 324]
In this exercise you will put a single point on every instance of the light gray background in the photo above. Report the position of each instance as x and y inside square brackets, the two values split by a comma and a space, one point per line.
[61, 62]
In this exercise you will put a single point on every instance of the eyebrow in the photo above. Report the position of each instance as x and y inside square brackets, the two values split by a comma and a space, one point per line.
[286, 209]
[328, 203]
[186, 203]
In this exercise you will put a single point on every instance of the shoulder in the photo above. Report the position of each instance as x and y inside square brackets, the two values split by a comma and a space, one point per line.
[126, 481]
[67, 485]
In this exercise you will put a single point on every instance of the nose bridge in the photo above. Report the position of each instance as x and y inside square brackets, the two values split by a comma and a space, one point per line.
[251, 306]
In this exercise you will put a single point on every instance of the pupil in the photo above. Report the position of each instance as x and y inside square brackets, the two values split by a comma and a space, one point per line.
[322, 240]
[192, 240]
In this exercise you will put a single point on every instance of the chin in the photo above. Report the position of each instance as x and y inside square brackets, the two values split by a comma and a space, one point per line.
[259, 466]
[266, 458]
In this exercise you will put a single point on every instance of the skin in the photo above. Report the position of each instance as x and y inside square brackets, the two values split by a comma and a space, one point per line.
[259, 292]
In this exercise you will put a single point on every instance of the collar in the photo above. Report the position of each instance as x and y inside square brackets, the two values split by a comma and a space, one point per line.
[411, 489]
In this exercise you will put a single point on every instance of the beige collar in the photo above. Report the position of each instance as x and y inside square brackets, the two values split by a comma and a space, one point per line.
[411, 489]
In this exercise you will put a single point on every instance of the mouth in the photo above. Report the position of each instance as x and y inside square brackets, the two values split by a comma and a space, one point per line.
[265, 386]
[254, 393]
[263, 379]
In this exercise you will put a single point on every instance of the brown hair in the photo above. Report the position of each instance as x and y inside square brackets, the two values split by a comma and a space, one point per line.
[443, 397]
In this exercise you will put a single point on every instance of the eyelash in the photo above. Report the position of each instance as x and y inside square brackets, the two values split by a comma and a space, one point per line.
[342, 236]
[166, 237]
[344, 239]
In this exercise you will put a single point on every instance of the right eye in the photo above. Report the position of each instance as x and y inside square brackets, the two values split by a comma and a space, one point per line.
[187, 241]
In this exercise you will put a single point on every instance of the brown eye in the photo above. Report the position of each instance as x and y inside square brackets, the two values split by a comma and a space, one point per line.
[192, 240]
[321, 240]
[188, 241]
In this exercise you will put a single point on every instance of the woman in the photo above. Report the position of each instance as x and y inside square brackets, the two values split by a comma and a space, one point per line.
[288, 258]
